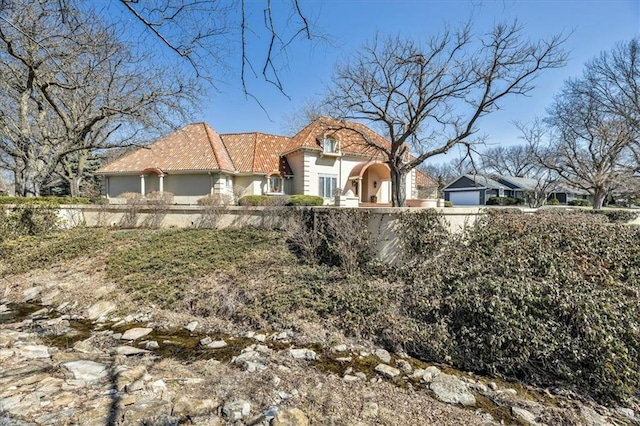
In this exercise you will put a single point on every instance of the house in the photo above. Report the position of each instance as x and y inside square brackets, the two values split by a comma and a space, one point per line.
[475, 190]
[326, 158]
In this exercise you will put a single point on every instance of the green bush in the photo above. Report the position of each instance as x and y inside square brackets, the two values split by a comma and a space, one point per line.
[504, 201]
[47, 201]
[448, 203]
[554, 201]
[305, 200]
[546, 299]
[215, 200]
[252, 200]
[579, 203]
[28, 219]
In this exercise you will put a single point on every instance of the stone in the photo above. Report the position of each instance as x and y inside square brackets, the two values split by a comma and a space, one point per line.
[290, 417]
[260, 337]
[592, 418]
[159, 386]
[129, 350]
[361, 375]
[100, 309]
[306, 354]
[345, 359]
[217, 344]
[86, 370]
[628, 413]
[369, 410]
[253, 366]
[136, 333]
[451, 390]
[383, 355]
[191, 327]
[525, 415]
[126, 377]
[85, 348]
[404, 365]
[339, 348]
[33, 351]
[236, 410]
[387, 371]
[493, 386]
[152, 345]
[430, 373]
[31, 294]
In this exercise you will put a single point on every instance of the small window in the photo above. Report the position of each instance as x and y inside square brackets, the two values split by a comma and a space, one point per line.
[275, 184]
[329, 145]
[327, 185]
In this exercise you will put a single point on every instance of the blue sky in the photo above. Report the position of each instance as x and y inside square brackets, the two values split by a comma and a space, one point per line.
[593, 26]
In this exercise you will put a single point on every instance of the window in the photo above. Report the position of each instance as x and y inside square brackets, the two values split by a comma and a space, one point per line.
[275, 184]
[327, 185]
[329, 145]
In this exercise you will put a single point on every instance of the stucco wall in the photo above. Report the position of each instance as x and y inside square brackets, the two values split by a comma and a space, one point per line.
[117, 185]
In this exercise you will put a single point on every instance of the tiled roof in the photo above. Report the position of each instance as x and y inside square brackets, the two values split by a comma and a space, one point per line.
[424, 179]
[194, 147]
[349, 135]
[257, 152]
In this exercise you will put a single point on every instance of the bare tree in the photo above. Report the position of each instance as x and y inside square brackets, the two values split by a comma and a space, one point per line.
[585, 147]
[203, 32]
[70, 87]
[515, 160]
[428, 99]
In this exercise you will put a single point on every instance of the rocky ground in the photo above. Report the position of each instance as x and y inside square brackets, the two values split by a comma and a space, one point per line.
[74, 350]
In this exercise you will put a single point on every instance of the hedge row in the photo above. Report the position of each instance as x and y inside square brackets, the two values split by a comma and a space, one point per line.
[283, 200]
[5, 199]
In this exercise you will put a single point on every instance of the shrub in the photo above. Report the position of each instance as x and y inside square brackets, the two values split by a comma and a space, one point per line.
[274, 200]
[252, 200]
[305, 200]
[554, 201]
[504, 201]
[448, 203]
[617, 216]
[46, 201]
[548, 299]
[158, 203]
[30, 219]
[216, 200]
[133, 201]
[423, 233]
[579, 203]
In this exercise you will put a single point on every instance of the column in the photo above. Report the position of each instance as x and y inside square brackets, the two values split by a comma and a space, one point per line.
[360, 195]
[161, 177]
[142, 191]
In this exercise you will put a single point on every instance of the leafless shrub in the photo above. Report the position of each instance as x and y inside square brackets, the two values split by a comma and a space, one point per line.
[213, 207]
[158, 204]
[133, 204]
[302, 237]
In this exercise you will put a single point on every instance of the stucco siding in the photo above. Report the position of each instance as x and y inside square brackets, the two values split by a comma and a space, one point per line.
[196, 185]
[117, 185]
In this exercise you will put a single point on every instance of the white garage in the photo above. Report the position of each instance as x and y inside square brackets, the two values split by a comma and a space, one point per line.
[465, 198]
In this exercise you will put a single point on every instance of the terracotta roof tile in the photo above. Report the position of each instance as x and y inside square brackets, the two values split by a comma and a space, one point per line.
[194, 147]
[258, 152]
[424, 179]
[351, 136]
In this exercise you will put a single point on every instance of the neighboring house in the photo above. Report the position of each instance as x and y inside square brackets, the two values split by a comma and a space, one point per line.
[324, 159]
[475, 190]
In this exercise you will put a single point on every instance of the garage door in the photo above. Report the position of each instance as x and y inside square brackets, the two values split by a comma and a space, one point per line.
[465, 198]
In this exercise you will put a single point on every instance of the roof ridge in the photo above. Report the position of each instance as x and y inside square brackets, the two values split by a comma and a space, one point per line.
[254, 150]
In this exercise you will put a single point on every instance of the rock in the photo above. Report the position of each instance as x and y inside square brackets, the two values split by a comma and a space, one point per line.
[369, 410]
[127, 377]
[592, 418]
[430, 373]
[345, 359]
[290, 417]
[192, 326]
[451, 390]
[525, 415]
[361, 375]
[33, 351]
[628, 413]
[404, 366]
[205, 341]
[136, 333]
[49, 298]
[152, 345]
[159, 386]
[260, 337]
[303, 353]
[253, 366]
[339, 348]
[236, 410]
[100, 309]
[217, 344]
[187, 406]
[85, 348]
[129, 350]
[31, 294]
[246, 356]
[383, 355]
[387, 371]
[493, 386]
[270, 412]
[86, 370]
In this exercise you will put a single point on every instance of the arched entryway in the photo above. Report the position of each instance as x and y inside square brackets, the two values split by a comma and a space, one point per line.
[371, 182]
[151, 180]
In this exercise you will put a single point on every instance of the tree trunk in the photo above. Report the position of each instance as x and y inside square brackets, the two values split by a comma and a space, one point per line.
[74, 186]
[398, 187]
[598, 198]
